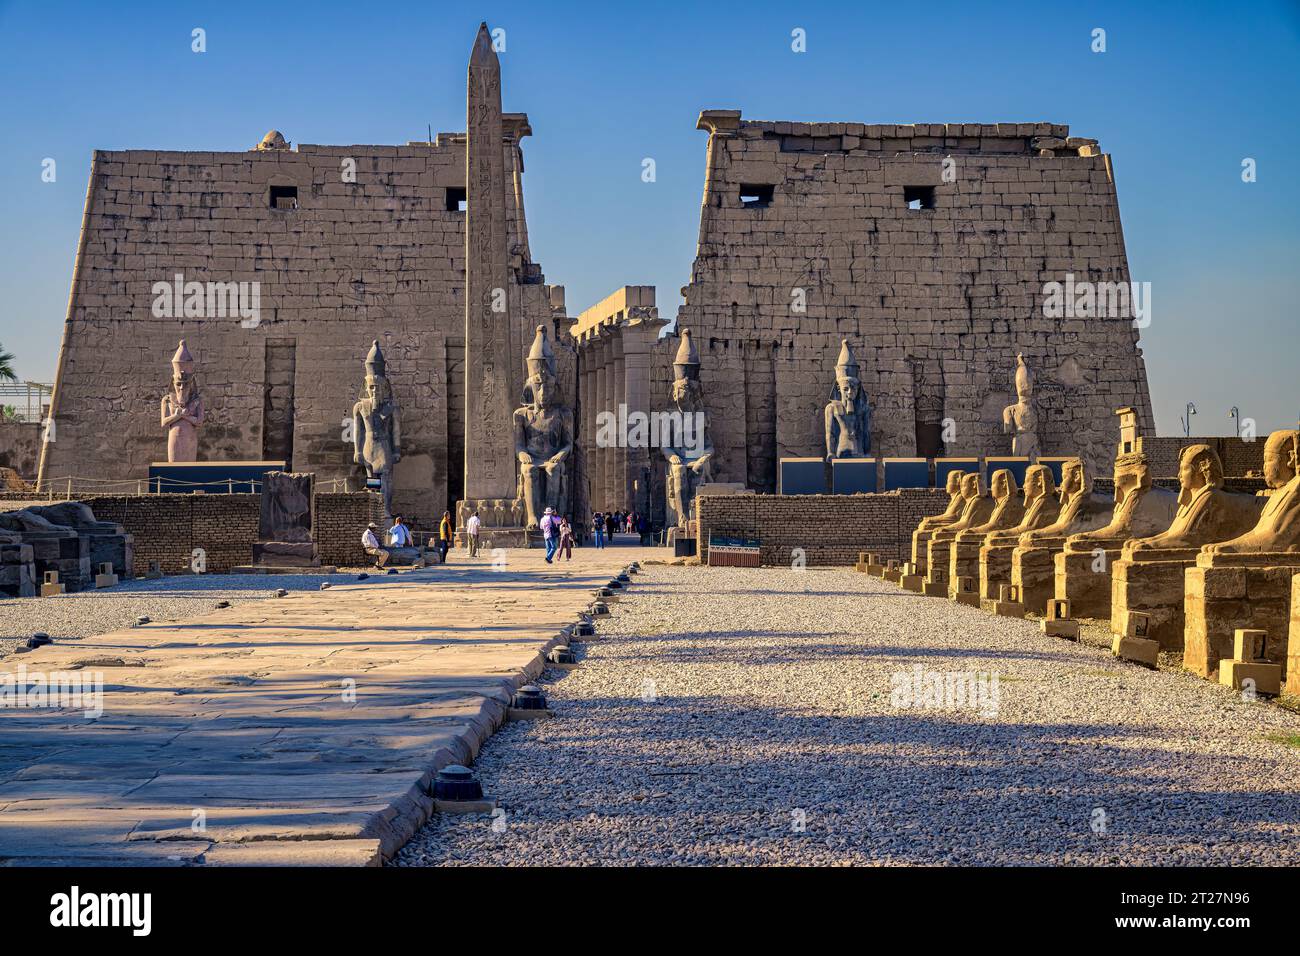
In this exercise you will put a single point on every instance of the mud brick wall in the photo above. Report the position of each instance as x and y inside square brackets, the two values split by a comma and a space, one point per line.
[831, 529]
[936, 301]
[340, 521]
[167, 528]
[1238, 456]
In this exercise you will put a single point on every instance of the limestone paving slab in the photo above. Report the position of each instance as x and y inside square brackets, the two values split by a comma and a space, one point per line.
[304, 730]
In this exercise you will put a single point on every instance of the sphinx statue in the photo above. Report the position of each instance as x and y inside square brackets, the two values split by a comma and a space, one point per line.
[1148, 576]
[377, 427]
[1083, 564]
[543, 436]
[927, 526]
[689, 453]
[1041, 508]
[848, 417]
[976, 510]
[1008, 512]
[181, 410]
[1278, 529]
[1246, 581]
[1021, 420]
[1033, 571]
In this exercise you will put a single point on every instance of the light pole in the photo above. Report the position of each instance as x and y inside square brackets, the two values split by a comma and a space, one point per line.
[1187, 420]
[1235, 414]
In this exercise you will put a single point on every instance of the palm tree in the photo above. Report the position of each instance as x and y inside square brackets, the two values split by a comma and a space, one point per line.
[7, 367]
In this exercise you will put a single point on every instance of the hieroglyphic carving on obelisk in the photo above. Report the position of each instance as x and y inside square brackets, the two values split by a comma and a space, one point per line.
[489, 442]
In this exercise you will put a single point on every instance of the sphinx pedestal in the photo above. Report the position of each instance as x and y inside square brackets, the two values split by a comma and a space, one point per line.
[1033, 573]
[994, 568]
[1293, 643]
[1078, 581]
[1153, 583]
[937, 551]
[964, 559]
[1225, 592]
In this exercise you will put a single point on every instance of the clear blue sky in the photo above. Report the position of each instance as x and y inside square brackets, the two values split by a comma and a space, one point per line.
[1183, 93]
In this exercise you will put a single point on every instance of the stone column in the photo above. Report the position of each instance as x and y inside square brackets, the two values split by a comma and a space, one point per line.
[489, 372]
[600, 456]
[637, 344]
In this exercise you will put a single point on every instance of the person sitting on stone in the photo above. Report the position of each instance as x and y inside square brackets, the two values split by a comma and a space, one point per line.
[370, 541]
[399, 535]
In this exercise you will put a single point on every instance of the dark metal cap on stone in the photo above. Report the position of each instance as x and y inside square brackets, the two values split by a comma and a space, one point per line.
[603, 592]
[585, 629]
[39, 639]
[563, 655]
[615, 583]
[624, 578]
[529, 697]
[455, 782]
[599, 607]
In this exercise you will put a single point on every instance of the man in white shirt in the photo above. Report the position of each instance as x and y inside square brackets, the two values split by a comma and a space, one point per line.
[370, 541]
[399, 535]
[471, 533]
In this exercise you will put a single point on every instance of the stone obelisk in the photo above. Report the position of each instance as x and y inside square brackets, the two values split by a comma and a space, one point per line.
[489, 457]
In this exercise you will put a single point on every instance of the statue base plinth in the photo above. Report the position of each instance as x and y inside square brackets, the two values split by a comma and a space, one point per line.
[1033, 571]
[1152, 583]
[937, 550]
[994, 568]
[1078, 581]
[1231, 594]
[285, 554]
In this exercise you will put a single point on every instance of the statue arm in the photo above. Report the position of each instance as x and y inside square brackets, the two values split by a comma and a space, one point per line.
[521, 440]
[358, 430]
[828, 415]
[567, 437]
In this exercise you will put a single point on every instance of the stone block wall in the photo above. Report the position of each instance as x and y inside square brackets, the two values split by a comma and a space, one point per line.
[1238, 456]
[831, 529]
[936, 300]
[381, 257]
[20, 447]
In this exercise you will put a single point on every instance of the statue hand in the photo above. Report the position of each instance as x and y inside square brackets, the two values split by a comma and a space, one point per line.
[525, 458]
[674, 459]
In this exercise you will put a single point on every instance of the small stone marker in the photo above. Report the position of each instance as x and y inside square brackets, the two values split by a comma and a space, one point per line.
[154, 572]
[142, 620]
[910, 580]
[1133, 645]
[51, 585]
[280, 592]
[893, 571]
[562, 658]
[938, 587]
[1008, 603]
[1250, 663]
[105, 578]
[39, 639]
[966, 592]
[1058, 622]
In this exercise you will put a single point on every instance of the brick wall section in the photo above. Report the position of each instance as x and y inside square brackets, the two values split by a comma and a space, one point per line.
[340, 521]
[167, 528]
[1238, 456]
[831, 529]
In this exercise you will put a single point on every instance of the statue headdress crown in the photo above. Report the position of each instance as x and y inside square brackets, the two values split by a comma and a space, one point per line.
[375, 364]
[846, 364]
[183, 361]
[687, 361]
[1024, 377]
[541, 356]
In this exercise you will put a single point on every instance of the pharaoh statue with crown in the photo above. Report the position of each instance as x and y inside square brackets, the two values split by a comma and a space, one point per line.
[377, 427]
[1020, 420]
[689, 451]
[848, 417]
[182, 408]
[543, 436]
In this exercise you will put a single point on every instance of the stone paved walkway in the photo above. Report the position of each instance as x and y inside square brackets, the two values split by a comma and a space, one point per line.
[239, 718]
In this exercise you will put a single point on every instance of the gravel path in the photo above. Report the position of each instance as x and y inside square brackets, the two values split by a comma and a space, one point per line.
[87, 613]
[775, 730]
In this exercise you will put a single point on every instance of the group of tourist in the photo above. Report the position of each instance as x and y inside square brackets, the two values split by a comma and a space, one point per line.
[604, 525]
[401, 536]
[557, 534]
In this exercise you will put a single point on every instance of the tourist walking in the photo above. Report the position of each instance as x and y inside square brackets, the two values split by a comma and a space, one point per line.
[472, 527]
[566, 539]
[444, 536]
[550, 533]
[598, 528]
[370, 541]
